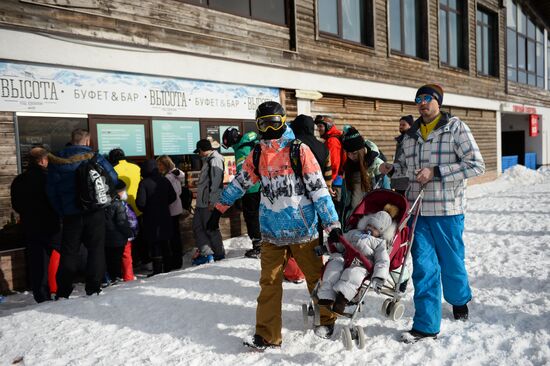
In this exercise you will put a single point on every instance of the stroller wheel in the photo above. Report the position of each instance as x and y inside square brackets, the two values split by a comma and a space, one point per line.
[346, 338]
[316, 315]
[385, 308]
[305, 316]
[360, 337]
[396, 311]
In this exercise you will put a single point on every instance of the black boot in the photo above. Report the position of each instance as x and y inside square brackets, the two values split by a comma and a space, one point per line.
[157, 266]
[413, 336]
[339, 304]
[461, 312]
[324, 331]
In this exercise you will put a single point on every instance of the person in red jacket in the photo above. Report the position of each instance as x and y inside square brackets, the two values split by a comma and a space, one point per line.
[332, 136]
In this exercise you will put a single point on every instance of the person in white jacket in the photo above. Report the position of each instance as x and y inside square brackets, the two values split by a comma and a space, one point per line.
[340, 285]
[176, 177]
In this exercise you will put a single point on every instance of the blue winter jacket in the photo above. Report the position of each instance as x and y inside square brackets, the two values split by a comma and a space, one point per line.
[61, 187]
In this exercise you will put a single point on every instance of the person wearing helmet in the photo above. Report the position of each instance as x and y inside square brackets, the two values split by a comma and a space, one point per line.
[243, 145]
[288, 218]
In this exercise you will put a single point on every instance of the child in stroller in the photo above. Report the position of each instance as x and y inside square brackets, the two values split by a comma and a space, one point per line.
[340, 285]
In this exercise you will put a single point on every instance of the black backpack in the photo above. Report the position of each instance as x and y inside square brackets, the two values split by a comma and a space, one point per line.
[295, 159]
[93, 185]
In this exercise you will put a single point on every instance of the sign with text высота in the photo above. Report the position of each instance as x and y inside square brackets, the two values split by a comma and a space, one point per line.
[175, 137]
[128, 137]
[37, 88]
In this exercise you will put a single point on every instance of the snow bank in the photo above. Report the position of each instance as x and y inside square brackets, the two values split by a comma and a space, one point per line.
[511, 179]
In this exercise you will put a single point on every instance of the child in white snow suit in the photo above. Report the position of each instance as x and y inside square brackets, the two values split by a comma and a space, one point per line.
[340, 285]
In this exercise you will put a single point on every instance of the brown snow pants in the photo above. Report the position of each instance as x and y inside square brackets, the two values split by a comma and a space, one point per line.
[273, 260]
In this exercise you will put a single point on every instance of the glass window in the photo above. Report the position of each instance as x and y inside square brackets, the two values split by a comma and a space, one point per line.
[530, 29]
[353, 24]
[407, 27]
[54, 133]
[328, 16]
[395, 24]
[530, 55]
[521, 52]
[522, 21]
[487, 47]
[443, 50]
[511, 14]
[347, 19]
[451, 19]
[512, 49]
[273, 11]
[270, 10]
[239, 7]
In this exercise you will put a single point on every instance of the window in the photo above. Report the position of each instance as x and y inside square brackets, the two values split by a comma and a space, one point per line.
[453, 33]
[486, 40]
[351, 20]
[408, 25]
[272, 11]
[525, 48]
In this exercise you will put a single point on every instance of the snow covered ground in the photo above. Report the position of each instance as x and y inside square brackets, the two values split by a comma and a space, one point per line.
[200, 315]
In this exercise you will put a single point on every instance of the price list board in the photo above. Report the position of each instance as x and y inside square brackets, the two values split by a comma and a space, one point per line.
[128, 137]
[172, 137]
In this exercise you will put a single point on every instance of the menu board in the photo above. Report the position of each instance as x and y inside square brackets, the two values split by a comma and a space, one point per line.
[175, 137]
[128, 137]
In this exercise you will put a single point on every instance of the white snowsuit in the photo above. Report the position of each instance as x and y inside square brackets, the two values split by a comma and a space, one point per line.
[347, 281]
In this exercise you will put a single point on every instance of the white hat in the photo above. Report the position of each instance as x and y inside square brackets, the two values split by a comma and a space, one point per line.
[380, 220]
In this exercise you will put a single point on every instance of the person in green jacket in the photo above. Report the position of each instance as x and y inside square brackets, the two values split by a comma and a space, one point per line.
[243, 146]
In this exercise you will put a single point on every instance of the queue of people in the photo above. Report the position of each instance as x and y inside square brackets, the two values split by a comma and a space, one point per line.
[292, 188]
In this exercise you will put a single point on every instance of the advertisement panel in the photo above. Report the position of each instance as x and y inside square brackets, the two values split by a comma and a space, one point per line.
[36, 88]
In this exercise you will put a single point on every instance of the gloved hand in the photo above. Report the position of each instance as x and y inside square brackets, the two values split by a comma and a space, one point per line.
[214, 220]
[377, 284]
[334, 235]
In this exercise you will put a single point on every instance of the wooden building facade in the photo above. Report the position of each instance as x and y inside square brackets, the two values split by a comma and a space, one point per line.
[364, 69]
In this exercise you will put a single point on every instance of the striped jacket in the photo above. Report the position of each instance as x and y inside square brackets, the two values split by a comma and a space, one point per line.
[288, 215]
[453, 153]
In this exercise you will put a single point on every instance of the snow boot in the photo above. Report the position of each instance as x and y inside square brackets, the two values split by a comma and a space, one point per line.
[253, 253]
[157, 266]
[461, 312]
[339, 304]
[260, 344]
[413, 336]
[203, 259]
[324, 331]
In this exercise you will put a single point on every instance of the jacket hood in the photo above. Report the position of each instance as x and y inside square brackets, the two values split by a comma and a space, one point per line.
[332, 132]
[149, 168]
[303, 125]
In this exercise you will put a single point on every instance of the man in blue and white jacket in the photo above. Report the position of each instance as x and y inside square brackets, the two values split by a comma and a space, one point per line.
[440, 153]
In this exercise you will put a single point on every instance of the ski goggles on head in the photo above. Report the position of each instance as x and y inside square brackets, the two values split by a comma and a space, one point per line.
[273, 121]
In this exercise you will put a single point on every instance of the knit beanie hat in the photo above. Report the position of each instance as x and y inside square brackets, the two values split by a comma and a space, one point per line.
[434, 90]
[380, 220]
[352, 140]
[408, 118]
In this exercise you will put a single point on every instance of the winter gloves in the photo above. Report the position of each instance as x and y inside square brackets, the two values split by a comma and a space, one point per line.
[214, 220]
[334, 238]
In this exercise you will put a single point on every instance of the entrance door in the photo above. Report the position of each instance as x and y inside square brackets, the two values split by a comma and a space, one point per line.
[131, 134]
[513, 143]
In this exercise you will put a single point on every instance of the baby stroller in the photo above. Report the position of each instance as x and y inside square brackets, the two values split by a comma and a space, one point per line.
[399, 250]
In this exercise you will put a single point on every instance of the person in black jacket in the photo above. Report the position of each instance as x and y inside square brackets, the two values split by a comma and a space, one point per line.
[117, 232]
[304, 129]
[40, 221]
[155, 194]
